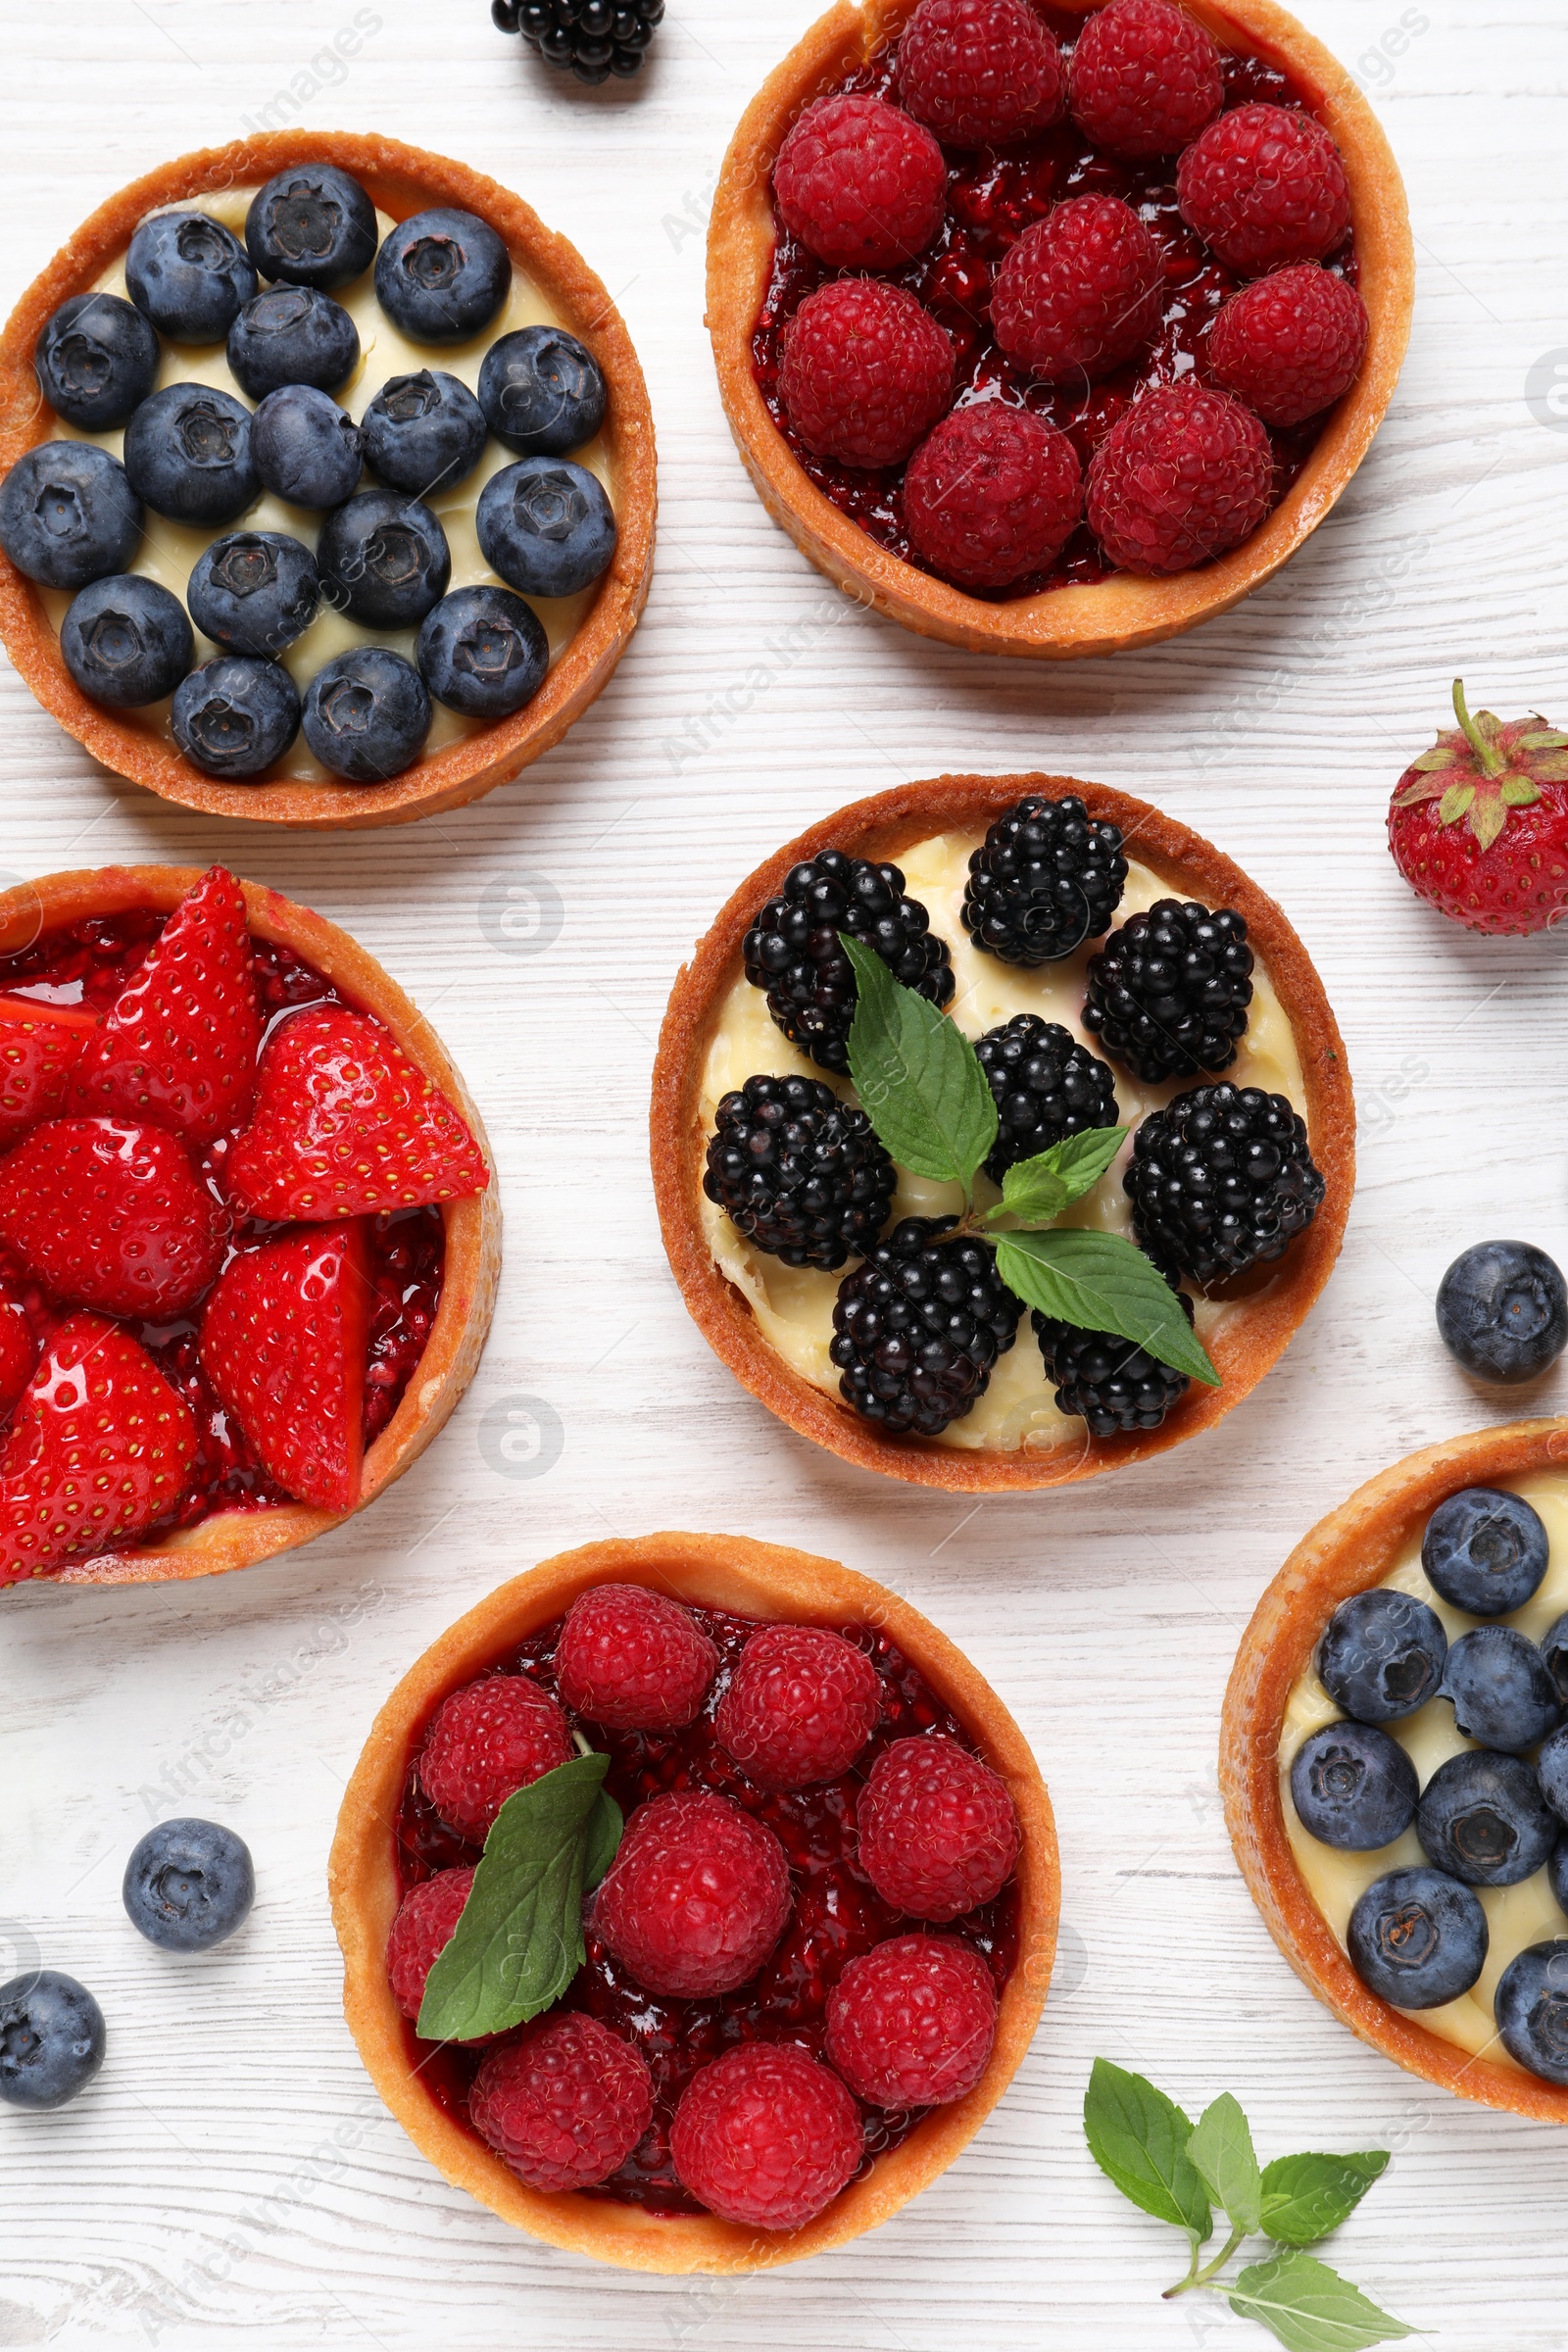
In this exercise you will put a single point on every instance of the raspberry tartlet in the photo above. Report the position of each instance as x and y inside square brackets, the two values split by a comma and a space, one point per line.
[1112, 970]
[1394, 1765]
[770, 2044]
[1119, 178]
[249, 1233]
[203, 586]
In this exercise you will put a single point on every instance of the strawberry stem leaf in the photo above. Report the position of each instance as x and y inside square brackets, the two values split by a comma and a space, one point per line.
[1491, 760]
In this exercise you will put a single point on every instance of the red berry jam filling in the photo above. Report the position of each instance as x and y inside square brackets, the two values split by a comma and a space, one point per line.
[993, 197]
[837, 1914]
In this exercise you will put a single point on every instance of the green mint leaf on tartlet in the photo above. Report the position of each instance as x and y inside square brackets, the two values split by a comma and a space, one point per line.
[1224, 2159]
[1100, 1281]
[916, 1075]
[519, 1942]
[1139, 2139]
[1034, 1190]
[1306, 2197]
[1309, 2307]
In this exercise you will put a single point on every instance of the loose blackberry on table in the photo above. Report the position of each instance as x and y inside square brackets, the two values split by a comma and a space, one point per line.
[1169, 991]
[793, 951]
[589, 38]
[1222, 1179]
[1046, 1086]
[799, 1172]
[1048, 877]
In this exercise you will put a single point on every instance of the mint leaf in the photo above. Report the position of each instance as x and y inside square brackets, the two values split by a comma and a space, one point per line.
[1139, 2138]
[1225, 2161]
[519, 1942]
[1309, 2307]
[1040, 1189]
[1099, 1282]
[918, 1077]
[1304, 2197]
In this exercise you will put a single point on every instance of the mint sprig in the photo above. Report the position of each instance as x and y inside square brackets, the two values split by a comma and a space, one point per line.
[1172, 2170]
[916, 1074]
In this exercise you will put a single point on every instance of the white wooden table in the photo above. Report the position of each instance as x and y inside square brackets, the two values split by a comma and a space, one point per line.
[232, 2176]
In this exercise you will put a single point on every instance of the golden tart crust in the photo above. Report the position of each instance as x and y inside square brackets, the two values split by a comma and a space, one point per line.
[884, 829]
[755, 1580]
[1111, 614]
[399, 180]
[472, 1270]
[1353, 1548]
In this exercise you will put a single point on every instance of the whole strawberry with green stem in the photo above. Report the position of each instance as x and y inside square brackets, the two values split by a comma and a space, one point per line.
[1479, 825]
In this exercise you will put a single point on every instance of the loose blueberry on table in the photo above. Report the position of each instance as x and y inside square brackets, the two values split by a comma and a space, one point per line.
[222, 1246]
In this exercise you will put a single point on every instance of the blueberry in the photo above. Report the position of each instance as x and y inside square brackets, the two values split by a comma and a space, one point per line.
[305, 448]
[51, 2038]
[1502, 1696]
[384, 560]
[189, 1884]
[1502, 1310]
[1557, 1871]
[1554, 1649]
[1381, 1657]
[541, 392]
[1551, 1771]
[312, 226]
[292, 335]
[1483, 1819]
[546, 526]
[424, 433]
[1531, 2007]
[96, 360]
[1418, 1938]
[1484, 1550]
[1353, 1786]
[254, 591]
[483, 651]
[189, 274]
[69, 515]
[188, 454]
[233, 716]
[126, 641]
[442, 276]
[367, 714]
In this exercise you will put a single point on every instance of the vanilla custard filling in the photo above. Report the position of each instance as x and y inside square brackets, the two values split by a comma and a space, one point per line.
[170, 551]
[794, 1306]
[1516, 1916]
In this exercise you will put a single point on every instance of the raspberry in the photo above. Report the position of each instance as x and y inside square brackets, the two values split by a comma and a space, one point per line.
[992, 493]
[1185, 475]
[1145, 79]
[566, 2105]
[425, 1923]
[633, 1660]
[767, 2136]
[910, 2022]
[1082, 290]
[1265, 185]
[980, 73]
[696, 1896]
[800, 1708]
[861, 184]
[937, 1829]
[1290, 344]
[865, 372]
[485, 1743]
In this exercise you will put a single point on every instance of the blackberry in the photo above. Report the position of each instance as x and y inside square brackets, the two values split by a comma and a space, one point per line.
[1220, 1180]
[1049, 877]
[793, 950]
[591, 38]
[919, 1327]
[799, 1172]
[1113, 1383]
[1168, 993]
[1045, 1085]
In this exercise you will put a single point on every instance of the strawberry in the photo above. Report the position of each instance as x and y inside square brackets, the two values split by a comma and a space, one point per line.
[40, 1046]
[347, 1125]
[108, 1213]
[285, 1342]
[1479, 825]
[99, 1447]
[179, 1043]
[17, 1350]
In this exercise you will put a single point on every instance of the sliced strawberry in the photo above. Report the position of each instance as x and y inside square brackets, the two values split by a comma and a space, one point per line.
[108, 1213]
[18, 1351]
[40, 1045]
[100, 1447]
[179, 1042]
[285, 1342]
[347, 1125]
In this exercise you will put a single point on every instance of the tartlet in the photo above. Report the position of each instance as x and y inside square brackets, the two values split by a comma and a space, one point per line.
[1111, 614]
[400, 180]
[727, 1572]
[884, 829]
[239, 1538]
[1353, 1548]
